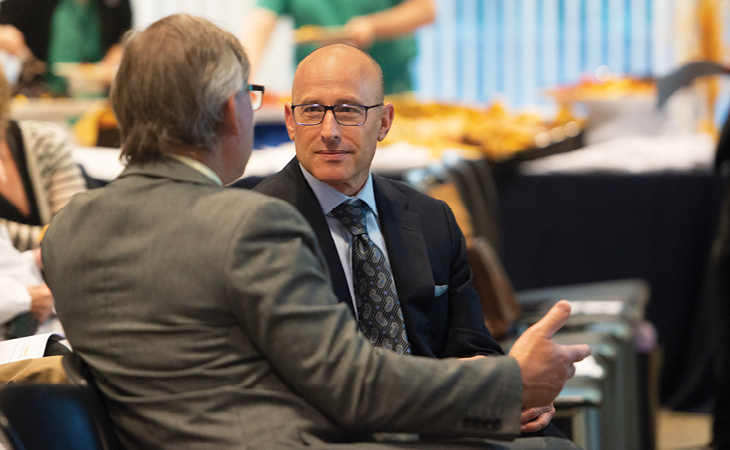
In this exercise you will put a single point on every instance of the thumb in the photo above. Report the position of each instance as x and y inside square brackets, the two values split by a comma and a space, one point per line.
[553, 320]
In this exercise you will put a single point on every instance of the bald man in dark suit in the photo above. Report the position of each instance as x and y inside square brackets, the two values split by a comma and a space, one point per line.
[418, 235]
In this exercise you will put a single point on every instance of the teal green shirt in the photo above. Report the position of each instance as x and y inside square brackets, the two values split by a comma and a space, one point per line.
[75, 37]
[394, 56]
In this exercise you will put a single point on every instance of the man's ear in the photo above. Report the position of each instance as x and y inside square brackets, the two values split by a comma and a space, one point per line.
[289, 119]
[229, 118]
[386, 120]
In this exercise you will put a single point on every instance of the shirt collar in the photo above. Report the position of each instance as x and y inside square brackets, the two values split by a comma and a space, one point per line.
[199, 166]
[329, 198]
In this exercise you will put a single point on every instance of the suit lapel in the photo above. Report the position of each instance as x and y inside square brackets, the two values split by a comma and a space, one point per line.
[408, 256]
[296, 191]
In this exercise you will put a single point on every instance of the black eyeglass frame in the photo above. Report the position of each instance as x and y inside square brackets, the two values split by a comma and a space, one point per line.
[255, 88]
[332, 108]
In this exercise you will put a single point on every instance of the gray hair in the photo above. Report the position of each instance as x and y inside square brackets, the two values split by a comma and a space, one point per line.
[172, 83]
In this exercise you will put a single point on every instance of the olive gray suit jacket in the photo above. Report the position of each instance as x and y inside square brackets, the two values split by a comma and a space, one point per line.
[207, 318]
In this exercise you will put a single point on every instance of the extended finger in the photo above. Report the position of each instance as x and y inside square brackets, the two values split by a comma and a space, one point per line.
[553, 320]
[577, 352]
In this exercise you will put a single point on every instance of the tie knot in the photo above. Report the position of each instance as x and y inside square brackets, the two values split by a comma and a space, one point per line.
[352, 215]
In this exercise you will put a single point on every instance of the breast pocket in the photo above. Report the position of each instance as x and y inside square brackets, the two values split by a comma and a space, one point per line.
[440, 289]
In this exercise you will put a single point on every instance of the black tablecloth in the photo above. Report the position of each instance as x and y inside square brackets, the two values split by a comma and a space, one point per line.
[564, 229]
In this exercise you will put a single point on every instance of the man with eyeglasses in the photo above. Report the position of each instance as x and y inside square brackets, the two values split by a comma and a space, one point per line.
[206, 314]
[336, 119]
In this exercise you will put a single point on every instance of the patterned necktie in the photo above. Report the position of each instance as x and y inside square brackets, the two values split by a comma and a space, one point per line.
[379, 313]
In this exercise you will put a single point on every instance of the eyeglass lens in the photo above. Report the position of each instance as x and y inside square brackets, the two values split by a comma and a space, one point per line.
[344, 114]
[257, 98]
[256, 94]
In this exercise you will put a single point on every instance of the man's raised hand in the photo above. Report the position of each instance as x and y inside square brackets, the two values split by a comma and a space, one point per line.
[546, 365]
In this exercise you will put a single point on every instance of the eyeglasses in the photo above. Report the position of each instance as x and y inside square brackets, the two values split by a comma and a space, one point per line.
[256, 93]
[308, 114]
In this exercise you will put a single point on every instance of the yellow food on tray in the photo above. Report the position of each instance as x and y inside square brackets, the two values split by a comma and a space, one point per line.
[614, 87]
[501, 134]
[493, 132]
[432, 125]
[97, 120]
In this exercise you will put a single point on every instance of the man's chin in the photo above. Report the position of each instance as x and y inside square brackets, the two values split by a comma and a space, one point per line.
[331, 174]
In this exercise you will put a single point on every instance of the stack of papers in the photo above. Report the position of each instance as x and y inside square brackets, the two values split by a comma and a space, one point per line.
[26, 347]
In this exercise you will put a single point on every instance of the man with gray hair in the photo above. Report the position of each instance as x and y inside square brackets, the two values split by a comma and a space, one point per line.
[206, 314]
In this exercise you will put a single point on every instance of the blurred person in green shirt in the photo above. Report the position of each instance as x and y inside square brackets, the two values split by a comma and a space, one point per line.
[73, 31]
[383, 28]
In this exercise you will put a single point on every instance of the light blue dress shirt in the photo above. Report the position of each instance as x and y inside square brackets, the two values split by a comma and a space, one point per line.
[329, 198]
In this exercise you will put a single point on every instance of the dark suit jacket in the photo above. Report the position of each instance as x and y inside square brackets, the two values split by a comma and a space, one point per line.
[426, 249]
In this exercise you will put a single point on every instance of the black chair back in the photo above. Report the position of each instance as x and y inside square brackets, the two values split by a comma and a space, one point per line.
[477, 190]
[78, 373]
[56, 416]
[9, 439]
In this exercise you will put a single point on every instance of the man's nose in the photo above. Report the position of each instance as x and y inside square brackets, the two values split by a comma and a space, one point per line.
[330, 126]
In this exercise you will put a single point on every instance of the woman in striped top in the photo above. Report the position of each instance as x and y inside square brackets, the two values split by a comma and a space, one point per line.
[37, 175]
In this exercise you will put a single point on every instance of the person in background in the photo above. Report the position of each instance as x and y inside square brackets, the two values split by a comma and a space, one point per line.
[37, 175]
[26, 303]
[207, 315]
[57, 31]
[27, 308]
[383, 28]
